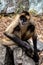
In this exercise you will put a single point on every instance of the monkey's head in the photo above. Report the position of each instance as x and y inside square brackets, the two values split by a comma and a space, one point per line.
[24, 17]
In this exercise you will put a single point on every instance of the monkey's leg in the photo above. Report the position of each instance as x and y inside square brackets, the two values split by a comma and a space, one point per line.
[35, 57]
[9, 60]
[34, 38]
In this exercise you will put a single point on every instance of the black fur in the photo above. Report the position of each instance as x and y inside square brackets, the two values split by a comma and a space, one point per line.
[35, 57]
[17, 28]
[9, 59]
[23, 18]
[31, 28]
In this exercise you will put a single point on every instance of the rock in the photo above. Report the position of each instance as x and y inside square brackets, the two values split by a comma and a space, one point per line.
[36, 5]
[15, 53]
[2, 54]
[7, 54]
[9, 6]
[21, 58]
[39, 45]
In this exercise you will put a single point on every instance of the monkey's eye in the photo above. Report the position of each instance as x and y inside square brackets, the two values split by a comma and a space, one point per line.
[23, 19]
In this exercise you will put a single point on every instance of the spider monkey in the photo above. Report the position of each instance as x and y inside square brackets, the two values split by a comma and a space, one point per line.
[24, 29]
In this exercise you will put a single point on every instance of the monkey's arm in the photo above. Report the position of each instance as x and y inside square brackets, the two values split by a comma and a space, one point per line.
[25, 46]
[13, 24]
[34, 38]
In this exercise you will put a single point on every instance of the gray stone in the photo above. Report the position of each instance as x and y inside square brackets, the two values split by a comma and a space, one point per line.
[39, 45]
[7, 54]
[2, 54]
[21, 58]
[9, 6]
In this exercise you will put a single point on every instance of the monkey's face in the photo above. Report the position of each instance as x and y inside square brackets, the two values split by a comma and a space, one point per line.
[24, 18]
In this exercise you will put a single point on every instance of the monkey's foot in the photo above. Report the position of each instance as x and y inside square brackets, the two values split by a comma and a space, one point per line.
[36, 59]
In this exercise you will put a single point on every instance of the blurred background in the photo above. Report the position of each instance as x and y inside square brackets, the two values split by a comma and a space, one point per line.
[9, 6]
